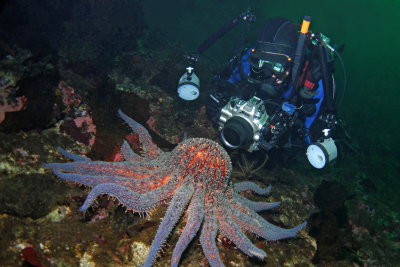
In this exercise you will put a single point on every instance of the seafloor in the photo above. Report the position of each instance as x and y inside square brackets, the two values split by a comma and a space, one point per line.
[350, 206]
[349, 222]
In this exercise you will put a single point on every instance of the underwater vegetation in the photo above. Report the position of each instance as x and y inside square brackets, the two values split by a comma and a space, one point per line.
[195, 177]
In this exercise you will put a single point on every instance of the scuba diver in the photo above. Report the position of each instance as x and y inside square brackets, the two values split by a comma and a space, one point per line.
[279, 93]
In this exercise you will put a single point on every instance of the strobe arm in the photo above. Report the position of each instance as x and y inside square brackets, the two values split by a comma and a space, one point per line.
[245, 16]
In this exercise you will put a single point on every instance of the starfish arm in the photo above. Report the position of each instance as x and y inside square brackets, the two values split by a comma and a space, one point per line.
[150, 149]
[72, 156]
[89, 180]
[243, 186]
[93, 180]
[128, 153]
[254, 225]
[257, 206]
[207, 239]
[231, 230]
[195, 218]
[175, 209]
[269, 231]
[122, 169]
[132, 200]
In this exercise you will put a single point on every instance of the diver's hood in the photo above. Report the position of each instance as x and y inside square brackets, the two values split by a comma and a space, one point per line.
[276, 42]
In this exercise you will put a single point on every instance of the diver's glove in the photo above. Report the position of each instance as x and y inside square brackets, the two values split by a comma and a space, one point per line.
[218, 99]
[330, 120]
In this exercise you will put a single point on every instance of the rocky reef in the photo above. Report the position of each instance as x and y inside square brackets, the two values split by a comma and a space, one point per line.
[59, 95]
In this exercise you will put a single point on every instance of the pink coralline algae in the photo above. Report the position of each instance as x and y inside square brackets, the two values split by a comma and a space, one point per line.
[69, 97]
[82, 129]
[8, 104]
[194, 178]
[81, 126]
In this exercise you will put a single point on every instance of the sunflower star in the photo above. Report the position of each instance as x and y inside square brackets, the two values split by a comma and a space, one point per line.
[195, 177]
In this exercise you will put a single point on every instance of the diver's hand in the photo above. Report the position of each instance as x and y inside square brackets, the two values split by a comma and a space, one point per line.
[329, 119]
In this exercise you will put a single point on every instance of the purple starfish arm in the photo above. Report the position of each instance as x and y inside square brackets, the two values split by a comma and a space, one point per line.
[256, 206]
[208, 236]
[232, 231]
[175, 209]
[128, 153]
[72, 156]
[149, 148]
[244, 186]
[248, 223]
[90, 180]
[252, 221]
[132, 200]
[195, 218]
[118, 169]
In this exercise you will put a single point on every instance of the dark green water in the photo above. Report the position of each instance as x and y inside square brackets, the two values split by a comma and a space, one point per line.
[366, 27]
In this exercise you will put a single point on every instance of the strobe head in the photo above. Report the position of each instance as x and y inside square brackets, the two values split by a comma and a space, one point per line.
[321, 154]
[189, 85]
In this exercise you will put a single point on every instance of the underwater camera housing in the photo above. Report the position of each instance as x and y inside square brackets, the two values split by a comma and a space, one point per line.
[247, 125]
[241, 123]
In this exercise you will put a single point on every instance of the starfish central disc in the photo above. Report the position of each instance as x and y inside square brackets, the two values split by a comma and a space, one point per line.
[202, 160]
